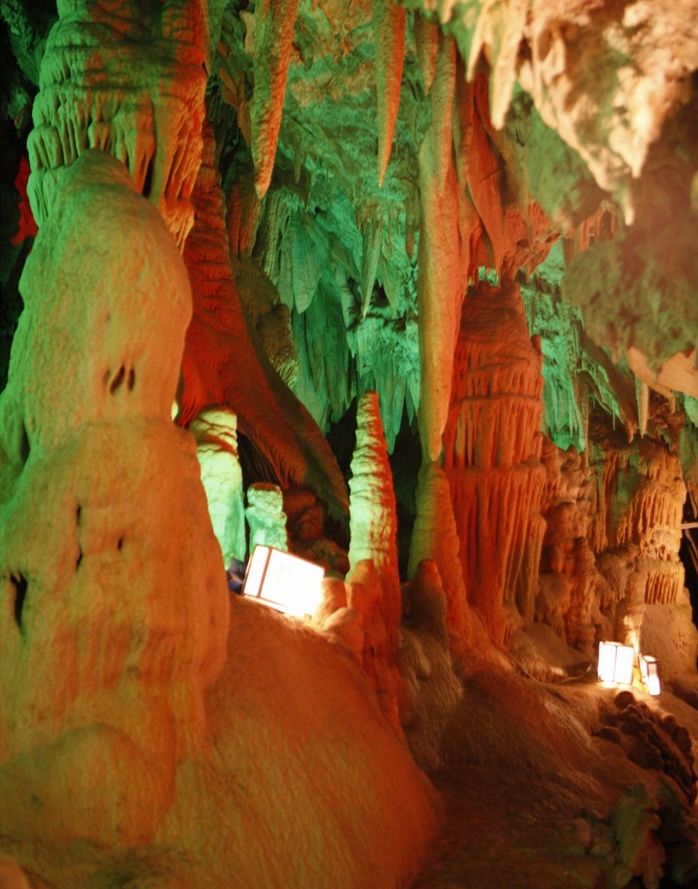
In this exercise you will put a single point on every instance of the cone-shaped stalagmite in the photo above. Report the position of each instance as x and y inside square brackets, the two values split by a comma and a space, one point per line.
[435, 537]
[374, 581]
[215, 431]
[373, 514]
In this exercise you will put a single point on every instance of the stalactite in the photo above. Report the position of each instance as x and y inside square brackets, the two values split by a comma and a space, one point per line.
[442, 97]
[372, 231]
[444, 262]
[485, 176]
[275, 22]
[426, 35]
[500, 28]
[389, 35]
[100, 89]
[222, 362]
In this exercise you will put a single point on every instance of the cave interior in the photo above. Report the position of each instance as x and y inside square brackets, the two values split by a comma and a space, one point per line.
[404, 289]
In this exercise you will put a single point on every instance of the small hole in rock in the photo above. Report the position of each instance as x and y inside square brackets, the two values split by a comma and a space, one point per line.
[78, 560]
[120, 543]
[131, 379]
[118, 380]
[24, 445]
[20, 583]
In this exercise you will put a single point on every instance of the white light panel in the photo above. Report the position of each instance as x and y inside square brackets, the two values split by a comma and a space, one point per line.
[284, 581]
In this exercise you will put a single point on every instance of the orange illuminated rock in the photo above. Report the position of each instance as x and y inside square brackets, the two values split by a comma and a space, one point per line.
[131, 716]
[117, 602]
[491, 457]
[130, 85]
[224, 365]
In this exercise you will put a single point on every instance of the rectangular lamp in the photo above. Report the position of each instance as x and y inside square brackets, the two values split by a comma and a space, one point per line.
[649, 668]
[283, 581]
[616, 663]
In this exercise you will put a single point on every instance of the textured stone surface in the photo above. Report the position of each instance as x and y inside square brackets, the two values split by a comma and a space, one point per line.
[265, 516]
[116, 605]
[99, 89]
[215, 431]
[491, 457]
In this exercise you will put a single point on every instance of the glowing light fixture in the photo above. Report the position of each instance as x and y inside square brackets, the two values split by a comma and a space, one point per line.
[650, 673]
[284, 582]
[616, 663]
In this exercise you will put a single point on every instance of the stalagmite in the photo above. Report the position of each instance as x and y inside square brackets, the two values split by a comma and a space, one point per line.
[215, 431]
[274, 24]
[568, 598]
[636, 535]
[259, 223]
[223, 366]
[491, 457]
[389, 35]
[120, 612]
[373, 518]
[435, 537]
[265, 516]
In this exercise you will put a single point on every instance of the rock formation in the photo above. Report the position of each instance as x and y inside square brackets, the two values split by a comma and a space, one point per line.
[265, 516]
[445, 251]
[491, 458]
[119, 610]
[215, 432]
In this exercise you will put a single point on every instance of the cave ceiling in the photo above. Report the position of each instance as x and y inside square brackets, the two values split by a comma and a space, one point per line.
[572, 132]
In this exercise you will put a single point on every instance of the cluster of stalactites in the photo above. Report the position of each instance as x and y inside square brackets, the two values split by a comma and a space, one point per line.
[496, 396]
[640, 503]
[129, 83]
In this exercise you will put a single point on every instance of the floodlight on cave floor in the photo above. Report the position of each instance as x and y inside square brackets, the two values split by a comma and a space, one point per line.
[649, 669]
[284, 581]
[616, 663]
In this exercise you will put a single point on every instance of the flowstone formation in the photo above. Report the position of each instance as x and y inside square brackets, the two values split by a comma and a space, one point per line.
[136, 711]
[492, 458]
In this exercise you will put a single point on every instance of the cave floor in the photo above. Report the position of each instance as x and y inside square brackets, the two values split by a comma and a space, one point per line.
[518, 805]
[498, 833]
